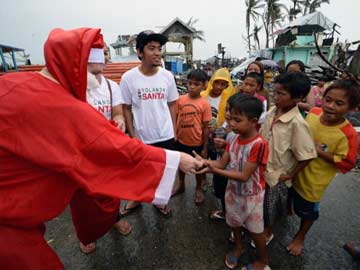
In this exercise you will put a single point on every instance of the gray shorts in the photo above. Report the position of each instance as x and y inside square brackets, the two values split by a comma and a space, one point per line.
[275, 203]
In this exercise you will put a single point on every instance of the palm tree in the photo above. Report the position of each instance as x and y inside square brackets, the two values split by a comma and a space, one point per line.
[272, 17]
[295, 9]
[251, 13]
[311, 6]
[315, 4]
[198, 34]
[255, 34]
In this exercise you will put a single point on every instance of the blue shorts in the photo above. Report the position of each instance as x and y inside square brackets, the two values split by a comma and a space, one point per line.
[304, 209]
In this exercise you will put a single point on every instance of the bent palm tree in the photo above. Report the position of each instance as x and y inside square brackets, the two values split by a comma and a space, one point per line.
[198, 34]
[311, 6]
[251, 12]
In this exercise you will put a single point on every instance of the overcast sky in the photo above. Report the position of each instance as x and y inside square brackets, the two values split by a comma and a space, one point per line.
[26, 23]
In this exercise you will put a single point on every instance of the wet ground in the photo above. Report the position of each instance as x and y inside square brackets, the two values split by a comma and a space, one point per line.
[189, 240]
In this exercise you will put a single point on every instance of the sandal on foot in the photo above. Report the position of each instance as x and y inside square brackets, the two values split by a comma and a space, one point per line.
[250, 267]
[123, 227]
[232, 237]
[268, 241]
[231, 261]
[164, 211]
[127, 211]
[87, 249]
[199, 197]
[353, 247]
[217, 215]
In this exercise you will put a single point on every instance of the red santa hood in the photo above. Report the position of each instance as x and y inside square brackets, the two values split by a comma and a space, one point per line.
[66, 56]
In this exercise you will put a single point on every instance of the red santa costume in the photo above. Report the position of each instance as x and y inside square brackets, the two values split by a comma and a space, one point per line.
[55, 150]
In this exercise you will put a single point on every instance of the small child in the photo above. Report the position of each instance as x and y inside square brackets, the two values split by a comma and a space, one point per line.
[193, 114]
[253, 83]
[290, 143]
[247, 155]
[336, 145]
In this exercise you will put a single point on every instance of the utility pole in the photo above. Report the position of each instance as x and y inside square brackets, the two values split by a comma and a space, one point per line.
[221, 50]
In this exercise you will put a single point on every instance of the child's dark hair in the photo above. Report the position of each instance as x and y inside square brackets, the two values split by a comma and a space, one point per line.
[351, 89]
[198, 75]
[259, 64]
[245, 104]
[297, 84]
[257, 77]
[296, 62]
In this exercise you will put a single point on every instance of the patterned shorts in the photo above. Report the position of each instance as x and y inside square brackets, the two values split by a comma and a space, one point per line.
[245, 211]
[275, 203]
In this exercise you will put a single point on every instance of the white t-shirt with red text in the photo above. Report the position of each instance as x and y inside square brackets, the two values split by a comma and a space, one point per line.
[149, 97]
[99, 98]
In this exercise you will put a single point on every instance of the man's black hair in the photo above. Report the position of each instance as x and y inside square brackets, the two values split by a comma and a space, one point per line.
[351, 88]
[257, 77]
[198, 75]
[146, 37]
[296, 83]
[245, 104]
[296, 62]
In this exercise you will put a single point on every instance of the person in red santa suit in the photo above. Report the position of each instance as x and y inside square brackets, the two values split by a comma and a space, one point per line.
[56, 149]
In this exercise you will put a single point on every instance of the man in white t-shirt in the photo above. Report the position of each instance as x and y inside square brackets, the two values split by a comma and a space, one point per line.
[149, 95]
[104, 96]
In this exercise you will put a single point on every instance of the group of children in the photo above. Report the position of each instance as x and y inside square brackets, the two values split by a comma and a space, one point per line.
[276, 162]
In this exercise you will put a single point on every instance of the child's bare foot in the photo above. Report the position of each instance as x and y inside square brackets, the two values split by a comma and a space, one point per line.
[87, 249]
[123, 227]
[296, 247]
[179, 189]
[199, 196]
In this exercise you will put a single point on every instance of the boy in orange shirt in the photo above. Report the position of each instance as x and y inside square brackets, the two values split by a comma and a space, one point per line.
[193, 114]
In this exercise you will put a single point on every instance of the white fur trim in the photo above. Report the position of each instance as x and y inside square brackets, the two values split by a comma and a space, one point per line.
[163, 191]
[96, 56]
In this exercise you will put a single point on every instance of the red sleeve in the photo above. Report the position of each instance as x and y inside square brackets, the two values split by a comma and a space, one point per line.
[259, 153]
[348, 162]
[58, 133]
[227, 147]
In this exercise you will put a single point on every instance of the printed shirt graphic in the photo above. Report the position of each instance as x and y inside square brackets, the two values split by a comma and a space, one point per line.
[254, 150]
[214, 103]
[99, 98]
[342, 141]
[191, 113]
[149, 97]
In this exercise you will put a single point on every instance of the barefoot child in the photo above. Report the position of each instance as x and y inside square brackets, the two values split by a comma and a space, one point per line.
[247, 155]
[336, 144]
[193, 114]
[290, 143]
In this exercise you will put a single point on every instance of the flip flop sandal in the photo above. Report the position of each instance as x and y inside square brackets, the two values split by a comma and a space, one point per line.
[216, 216]
[250, 267]
[127, 211]
[232, 237]
[353, 248]
[231, 261]
[87, 249]
[268, 241]
[162, 210]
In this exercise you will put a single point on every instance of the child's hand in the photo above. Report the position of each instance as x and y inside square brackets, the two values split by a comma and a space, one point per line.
[204, 152]
[206, 169]
[219, 143]
[285, 177]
